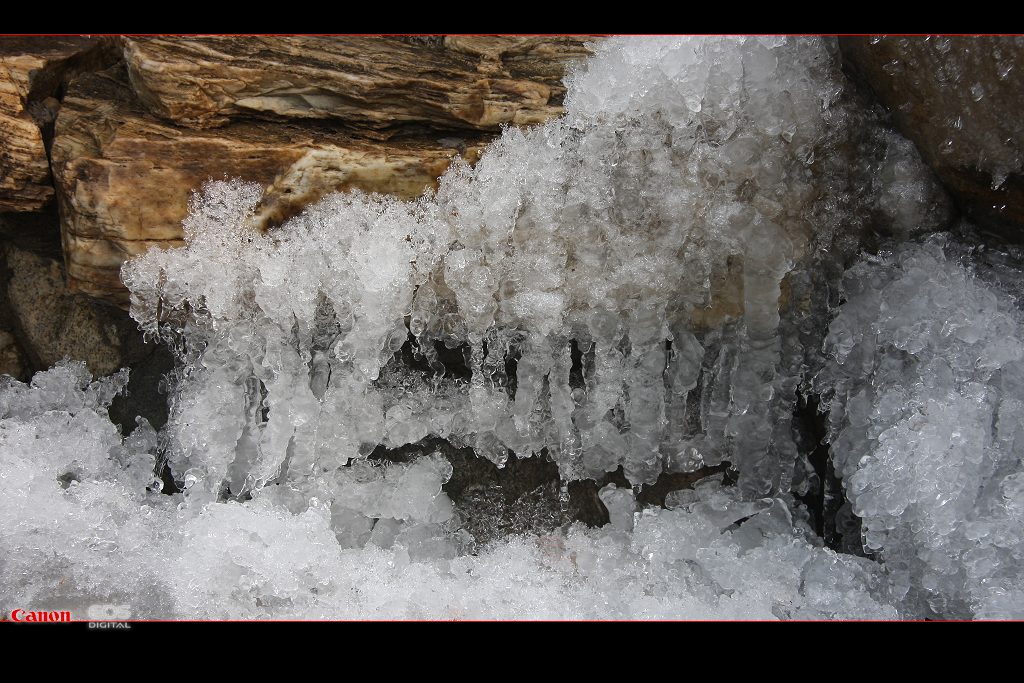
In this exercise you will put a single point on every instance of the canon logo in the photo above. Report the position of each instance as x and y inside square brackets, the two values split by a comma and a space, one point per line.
[24, 615]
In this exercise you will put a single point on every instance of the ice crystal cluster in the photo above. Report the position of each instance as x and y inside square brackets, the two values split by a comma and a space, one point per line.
[85, 525]
[644, 284]
[925, 378]
[649, 230]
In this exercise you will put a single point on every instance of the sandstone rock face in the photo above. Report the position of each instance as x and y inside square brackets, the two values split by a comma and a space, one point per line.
[302, 116]
[959, 100]
[380, 85]
[31, 72]
[124, 177]
[24, 171]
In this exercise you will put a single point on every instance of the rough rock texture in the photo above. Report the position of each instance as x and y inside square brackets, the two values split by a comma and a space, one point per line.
[24, 171]
[32, 72]
[42, 323]
[54, 323]
[523, 496]
[959, 100]
[382, 85]
[12, 362]
[124, 178]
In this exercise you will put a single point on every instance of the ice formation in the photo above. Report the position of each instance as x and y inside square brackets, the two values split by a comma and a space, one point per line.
[90, 527]
[640, 284]
[925, 417]
[650, 232]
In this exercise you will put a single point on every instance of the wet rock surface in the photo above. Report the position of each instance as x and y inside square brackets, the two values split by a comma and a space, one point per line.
[958, 99]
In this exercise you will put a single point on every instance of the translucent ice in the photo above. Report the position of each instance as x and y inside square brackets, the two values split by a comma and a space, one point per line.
[666, 230]
[638, 284]
[82, 528]
[925, 380]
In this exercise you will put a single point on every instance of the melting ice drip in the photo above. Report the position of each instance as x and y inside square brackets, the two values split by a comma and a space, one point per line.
[654, 264]
[649, 231]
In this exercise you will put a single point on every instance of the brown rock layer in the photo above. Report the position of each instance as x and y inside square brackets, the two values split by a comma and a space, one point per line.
[24, 170]
[124, 177]
[380, 85]
[960, 100]
[32, 70]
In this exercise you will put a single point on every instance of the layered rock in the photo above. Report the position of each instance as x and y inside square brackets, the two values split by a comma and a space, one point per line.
[24, 171]
[32, 71]
[958, 99]
[124, 177]
[301, 116]
[379, 85]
